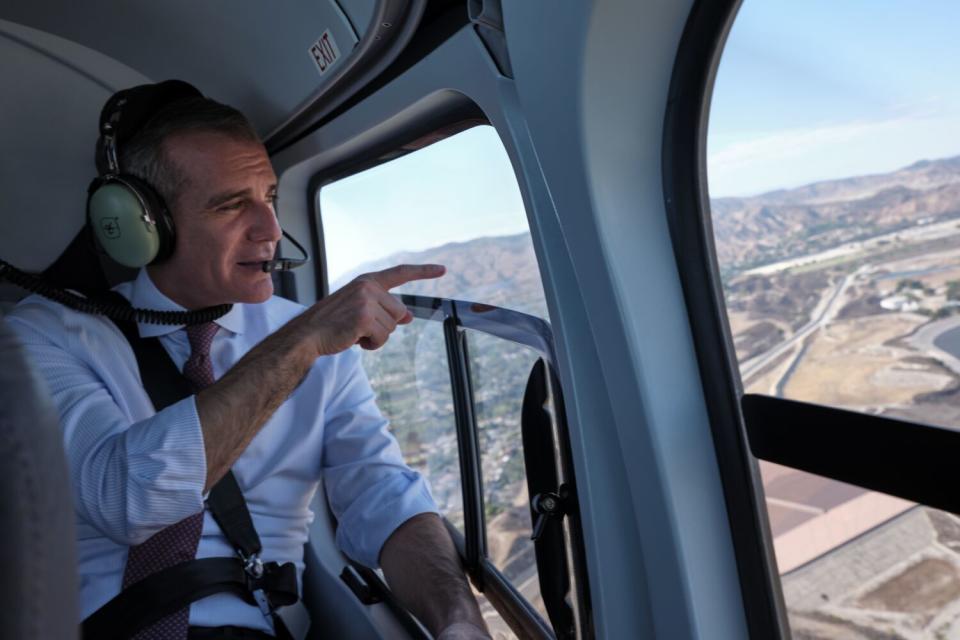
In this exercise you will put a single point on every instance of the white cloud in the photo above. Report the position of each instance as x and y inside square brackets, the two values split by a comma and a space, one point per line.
[786, 144]
[762, 161]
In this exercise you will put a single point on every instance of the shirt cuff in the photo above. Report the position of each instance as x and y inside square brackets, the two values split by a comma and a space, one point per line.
[167, 462]
[378, 511]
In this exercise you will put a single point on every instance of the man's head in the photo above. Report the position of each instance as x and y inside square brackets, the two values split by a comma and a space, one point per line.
[207, 163]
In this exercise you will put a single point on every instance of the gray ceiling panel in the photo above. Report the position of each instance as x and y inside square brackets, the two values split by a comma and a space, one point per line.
[53, 92]
[359, 12]
[251, 54]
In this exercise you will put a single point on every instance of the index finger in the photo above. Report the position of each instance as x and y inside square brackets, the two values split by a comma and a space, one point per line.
[404, 273]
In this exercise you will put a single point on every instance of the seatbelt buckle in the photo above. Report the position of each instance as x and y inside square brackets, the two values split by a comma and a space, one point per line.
[253, 565]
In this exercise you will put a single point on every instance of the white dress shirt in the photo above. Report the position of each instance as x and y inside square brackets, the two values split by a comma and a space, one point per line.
[135, 471]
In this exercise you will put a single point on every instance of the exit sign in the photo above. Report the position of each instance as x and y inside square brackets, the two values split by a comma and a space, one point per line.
[324, 52]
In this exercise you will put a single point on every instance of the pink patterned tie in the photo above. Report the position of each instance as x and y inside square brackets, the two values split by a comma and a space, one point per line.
[178, 542]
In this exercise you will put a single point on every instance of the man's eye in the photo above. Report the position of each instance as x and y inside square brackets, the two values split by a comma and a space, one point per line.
[231, 206]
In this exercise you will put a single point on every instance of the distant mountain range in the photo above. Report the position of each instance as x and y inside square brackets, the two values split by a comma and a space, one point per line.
[791, 222]
[749, 231]
[500, 270]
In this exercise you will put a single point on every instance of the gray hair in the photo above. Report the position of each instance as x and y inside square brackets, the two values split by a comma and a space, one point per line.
[144, 156]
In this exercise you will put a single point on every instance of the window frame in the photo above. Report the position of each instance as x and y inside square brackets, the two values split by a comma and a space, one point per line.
[457, 317]
[751, 427]
[514, 326]
[687, 203]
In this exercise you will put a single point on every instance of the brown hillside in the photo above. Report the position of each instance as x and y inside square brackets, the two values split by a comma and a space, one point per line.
[786, 223]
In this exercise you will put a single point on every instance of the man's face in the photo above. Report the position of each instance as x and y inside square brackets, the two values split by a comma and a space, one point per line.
[225, 222]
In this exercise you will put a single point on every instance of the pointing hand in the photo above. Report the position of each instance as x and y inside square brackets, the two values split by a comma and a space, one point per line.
[362, 312]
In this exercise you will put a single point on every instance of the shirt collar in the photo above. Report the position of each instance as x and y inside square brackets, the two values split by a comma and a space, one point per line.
[145, 295]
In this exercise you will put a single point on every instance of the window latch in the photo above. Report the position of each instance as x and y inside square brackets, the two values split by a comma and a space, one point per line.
[547, 505]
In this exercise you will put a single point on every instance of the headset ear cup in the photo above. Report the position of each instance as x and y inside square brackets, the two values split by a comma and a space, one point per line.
[158, 212]
[129, 220]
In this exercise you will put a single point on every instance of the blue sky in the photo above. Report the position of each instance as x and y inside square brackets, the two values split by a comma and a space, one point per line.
[807, 90]
[815, 89]
[454, 190]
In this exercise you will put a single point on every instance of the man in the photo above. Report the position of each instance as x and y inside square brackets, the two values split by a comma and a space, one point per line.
[288, 404]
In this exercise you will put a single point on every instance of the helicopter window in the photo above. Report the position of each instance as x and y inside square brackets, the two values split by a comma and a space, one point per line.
[410, 376]
[457, 203]
[499, 371]
[834, 180]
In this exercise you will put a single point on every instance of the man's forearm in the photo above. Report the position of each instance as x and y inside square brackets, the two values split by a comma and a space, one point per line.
[234, 409]
[423, 569]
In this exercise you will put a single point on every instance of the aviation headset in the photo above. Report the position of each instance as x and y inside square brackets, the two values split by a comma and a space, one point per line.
[128, 217]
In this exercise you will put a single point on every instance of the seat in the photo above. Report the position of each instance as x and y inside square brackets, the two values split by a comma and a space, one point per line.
[38, 583]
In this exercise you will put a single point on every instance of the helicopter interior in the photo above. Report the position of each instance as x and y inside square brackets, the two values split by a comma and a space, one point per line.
[609, 413]
[338, 87]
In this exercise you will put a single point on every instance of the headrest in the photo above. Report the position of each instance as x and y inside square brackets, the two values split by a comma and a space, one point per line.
[141, 103]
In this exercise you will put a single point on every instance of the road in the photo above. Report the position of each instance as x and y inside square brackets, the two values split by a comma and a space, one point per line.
[924, 340]
[824, 312]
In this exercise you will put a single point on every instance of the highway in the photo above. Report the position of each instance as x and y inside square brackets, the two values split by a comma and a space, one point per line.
[824, 312]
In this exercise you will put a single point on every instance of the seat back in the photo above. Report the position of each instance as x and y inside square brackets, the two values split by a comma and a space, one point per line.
[38, 583]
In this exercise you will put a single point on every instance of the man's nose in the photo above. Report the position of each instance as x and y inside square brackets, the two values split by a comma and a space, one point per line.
[266, 227]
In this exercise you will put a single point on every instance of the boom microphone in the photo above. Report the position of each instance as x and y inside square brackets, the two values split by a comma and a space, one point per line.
[286, 264]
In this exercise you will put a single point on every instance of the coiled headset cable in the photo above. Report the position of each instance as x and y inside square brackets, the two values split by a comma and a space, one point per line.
[114, 311]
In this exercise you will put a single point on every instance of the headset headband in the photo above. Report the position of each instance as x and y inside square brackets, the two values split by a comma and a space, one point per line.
[127, 111]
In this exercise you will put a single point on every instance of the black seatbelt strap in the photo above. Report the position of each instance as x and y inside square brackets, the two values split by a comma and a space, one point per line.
[145, 602]
[229, 509]
[267, 585]
[162, 380]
